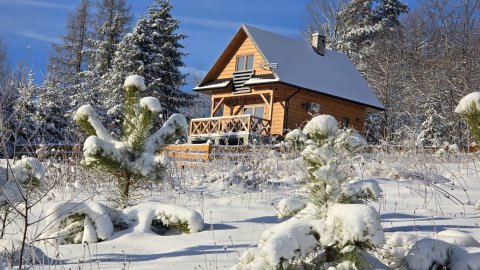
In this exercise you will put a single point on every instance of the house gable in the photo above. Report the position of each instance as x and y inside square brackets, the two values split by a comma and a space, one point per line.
[224, 67]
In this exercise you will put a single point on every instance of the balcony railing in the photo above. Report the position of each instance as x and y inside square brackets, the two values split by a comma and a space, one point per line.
[230, 125]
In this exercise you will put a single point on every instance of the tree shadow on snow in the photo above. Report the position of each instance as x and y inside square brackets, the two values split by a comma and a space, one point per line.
[264, 219]
[426, 228]
[218, 227]
[396, 217]
[190, 251]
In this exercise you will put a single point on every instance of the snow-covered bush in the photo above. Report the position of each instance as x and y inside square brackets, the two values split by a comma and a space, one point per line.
[18, 177]
[395, 249]
[458, 238]
[362, 191]
[78, 222]
[285, 243]
[288, 207]
[132, 158]
[469, 109]
[296, 139]
[352, 226]
[436, 254]
[159, 218]
[429, 254]
[296, 136]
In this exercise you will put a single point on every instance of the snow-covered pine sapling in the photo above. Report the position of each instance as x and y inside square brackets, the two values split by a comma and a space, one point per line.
[469, 109]
[327, 146]
[133, 158]
[335, 230]
[347, 235]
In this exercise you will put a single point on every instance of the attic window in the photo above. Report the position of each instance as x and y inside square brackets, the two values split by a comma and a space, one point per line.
[244, 62]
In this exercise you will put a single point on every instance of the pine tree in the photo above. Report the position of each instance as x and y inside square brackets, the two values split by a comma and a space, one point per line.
[152, 50]
[133, 158]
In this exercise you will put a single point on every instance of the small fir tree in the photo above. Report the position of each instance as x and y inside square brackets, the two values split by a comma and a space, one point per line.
[133, 158]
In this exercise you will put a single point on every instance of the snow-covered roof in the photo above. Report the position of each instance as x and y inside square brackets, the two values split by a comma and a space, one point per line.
[298, 64]
[213, 85]
[260, 80]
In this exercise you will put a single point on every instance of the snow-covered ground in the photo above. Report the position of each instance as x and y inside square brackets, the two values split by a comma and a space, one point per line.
[422, 195]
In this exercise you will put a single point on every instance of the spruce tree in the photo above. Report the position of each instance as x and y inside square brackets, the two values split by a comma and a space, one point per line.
[111, 23]
[24, 126]
[133, 157]
[387, 12]
[56, 125]
[152, 50]
[356, 27]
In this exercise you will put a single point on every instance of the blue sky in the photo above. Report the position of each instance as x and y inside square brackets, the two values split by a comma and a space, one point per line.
[209, 25]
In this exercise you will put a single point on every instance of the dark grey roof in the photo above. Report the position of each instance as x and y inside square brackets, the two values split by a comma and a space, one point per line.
[298, 64]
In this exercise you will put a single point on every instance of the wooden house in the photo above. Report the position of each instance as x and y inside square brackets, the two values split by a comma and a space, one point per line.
[264, 84]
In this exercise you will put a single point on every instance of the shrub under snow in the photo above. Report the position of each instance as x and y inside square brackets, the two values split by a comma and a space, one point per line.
[296, 136]
[16, 176]
[159, 218]
[395, 249]
[78, 222]
[284, 243]
[458, 238]
[350, 225]
[288, 207]
[436, 254]
[363, 190]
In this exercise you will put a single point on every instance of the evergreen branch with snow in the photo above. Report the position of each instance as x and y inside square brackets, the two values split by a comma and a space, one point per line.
[469, 109]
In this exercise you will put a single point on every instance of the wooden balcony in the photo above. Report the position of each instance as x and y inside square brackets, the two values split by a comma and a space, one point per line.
[246, 127]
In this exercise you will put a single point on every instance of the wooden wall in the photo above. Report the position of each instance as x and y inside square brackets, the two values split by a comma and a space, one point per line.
[297, 111]
[245, 47]
[298, 114]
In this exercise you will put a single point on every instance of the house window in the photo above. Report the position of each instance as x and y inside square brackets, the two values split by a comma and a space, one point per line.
[244, 62]
[256, 111]
[345, 122]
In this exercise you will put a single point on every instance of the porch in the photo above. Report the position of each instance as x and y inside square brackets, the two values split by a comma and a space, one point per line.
[229, 130]
[247, 118]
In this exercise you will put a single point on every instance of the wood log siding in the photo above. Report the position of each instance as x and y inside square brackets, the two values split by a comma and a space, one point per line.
[298, 114]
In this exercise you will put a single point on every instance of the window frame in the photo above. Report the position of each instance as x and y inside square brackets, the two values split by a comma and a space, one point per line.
[245, 61]
[254, 108]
